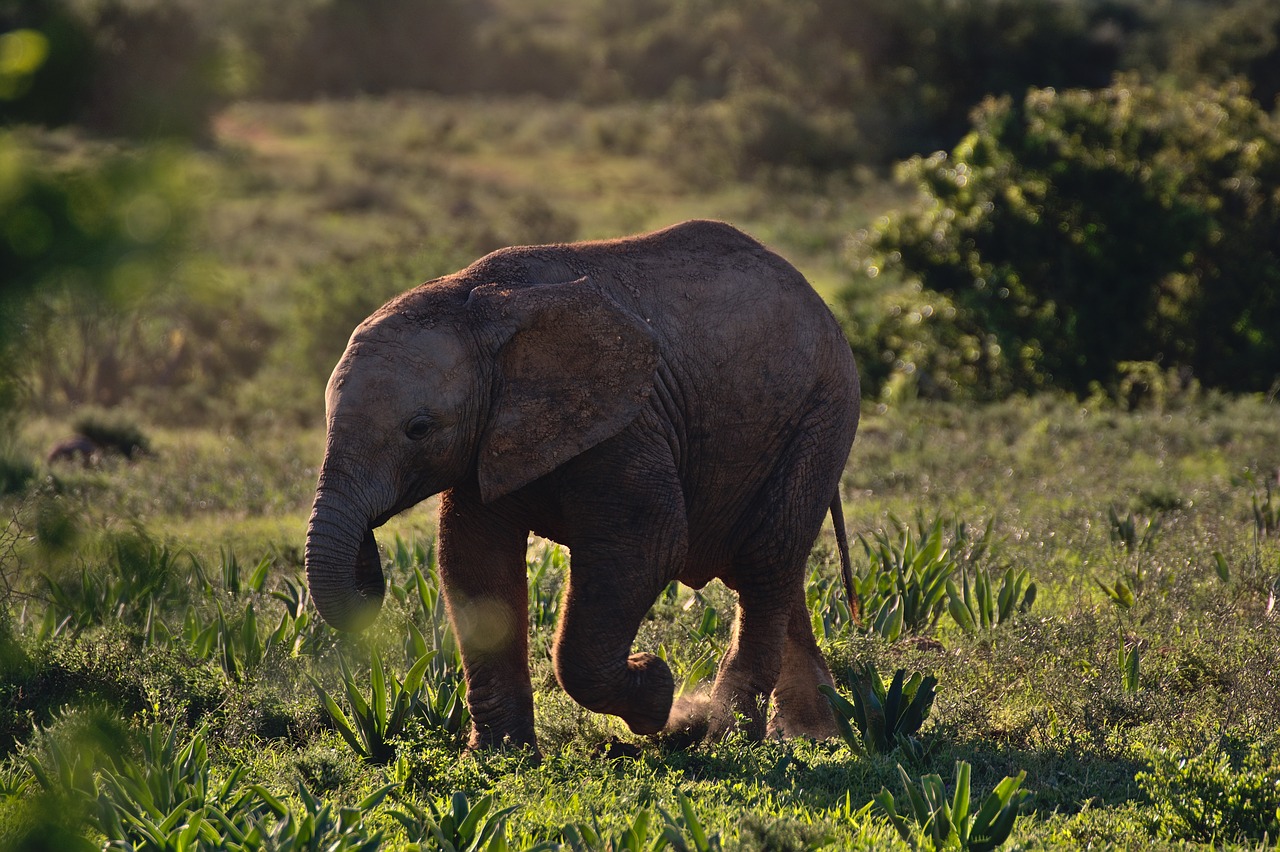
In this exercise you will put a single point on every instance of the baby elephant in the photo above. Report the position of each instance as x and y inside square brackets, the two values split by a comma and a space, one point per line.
[673, 406]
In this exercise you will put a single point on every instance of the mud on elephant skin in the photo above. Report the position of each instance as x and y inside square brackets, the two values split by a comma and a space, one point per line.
[673, 406]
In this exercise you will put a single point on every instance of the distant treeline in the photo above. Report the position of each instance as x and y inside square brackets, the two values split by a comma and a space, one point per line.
[814, 84]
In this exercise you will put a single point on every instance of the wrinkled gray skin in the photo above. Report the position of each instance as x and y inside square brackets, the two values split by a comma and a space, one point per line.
[674, 406]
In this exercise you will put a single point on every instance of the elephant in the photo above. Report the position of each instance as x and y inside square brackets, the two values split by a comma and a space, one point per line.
[678, 405]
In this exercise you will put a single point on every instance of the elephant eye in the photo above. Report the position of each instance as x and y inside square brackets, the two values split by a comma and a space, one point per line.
[418, 428]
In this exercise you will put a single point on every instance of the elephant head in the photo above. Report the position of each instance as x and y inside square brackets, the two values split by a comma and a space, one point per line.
[493, 385]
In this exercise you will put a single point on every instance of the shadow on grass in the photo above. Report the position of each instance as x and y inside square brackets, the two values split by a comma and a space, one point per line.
[826, 775]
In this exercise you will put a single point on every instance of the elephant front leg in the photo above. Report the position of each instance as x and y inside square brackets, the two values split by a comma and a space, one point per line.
[482, 569]
[593, 658]
[627, 538]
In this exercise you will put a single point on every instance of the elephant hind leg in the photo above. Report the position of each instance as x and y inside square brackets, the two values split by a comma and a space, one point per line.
[774, 651]
[749, 668]
[798, 708]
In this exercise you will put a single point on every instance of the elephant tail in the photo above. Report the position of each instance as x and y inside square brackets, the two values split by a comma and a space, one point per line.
[846, 565]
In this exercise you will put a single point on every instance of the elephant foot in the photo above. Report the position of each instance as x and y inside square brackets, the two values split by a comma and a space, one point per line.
[652, 688]
[811, 721]
[491, 738]
[507, 744]
[639, 692]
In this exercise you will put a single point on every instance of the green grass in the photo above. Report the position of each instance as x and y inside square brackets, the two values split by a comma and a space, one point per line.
[1042, 693]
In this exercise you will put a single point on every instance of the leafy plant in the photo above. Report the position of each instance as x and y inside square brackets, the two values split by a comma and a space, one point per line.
[904, 587]
[1130, 665]
[545, 573]
[695, 662]
[420, 593]
[315, 826]
[375, 722]
[979, 608]
[1133, 533]
[455, 824]
[828, 606]
[137, 574]
[232, 575]
[169, 799]
[1120, 594]
[65, 756]
[686, 833]
[1266, 511]
[881, 718]
[689, 669]
[954, 824]
[639, 836]
[443, 706]
[1128, 654]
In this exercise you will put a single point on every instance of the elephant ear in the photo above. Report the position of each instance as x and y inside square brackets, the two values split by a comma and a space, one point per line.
[575, 369]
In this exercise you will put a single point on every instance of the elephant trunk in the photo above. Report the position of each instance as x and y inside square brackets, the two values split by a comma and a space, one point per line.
[344, 570]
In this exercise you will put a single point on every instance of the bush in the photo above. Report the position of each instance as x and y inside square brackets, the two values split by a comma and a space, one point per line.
[1210, 795]
[1076, 231]
[113, 432]
[119, 66]
[15, 474]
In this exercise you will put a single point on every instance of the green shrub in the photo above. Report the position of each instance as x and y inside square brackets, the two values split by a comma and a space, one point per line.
[1075, 231]
[1211, 796]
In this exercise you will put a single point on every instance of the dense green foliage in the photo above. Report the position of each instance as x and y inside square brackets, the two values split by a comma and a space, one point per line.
[1074, 235]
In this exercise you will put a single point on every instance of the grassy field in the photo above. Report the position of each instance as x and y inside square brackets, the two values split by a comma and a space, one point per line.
[1106, 761]
[164, 678]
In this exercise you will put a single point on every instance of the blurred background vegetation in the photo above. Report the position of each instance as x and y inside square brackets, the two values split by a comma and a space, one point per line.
[198, 200]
